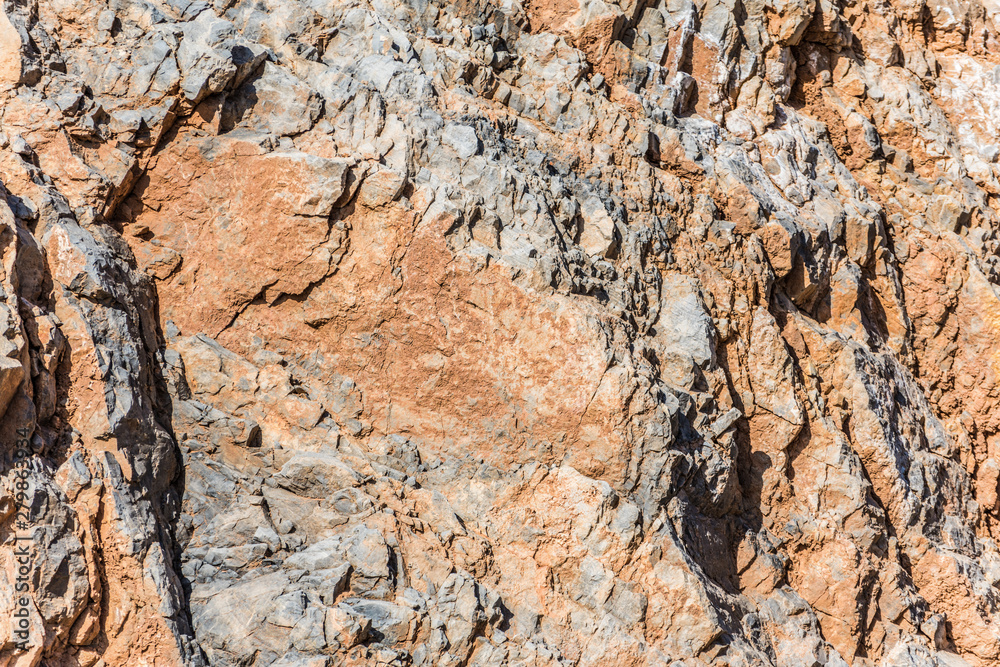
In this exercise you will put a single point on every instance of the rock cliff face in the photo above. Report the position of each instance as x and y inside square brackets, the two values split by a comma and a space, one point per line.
[496, 332]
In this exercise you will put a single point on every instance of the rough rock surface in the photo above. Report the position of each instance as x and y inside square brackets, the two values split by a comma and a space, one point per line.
[576, 332]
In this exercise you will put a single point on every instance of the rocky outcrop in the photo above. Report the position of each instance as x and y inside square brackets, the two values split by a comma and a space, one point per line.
[579, 333]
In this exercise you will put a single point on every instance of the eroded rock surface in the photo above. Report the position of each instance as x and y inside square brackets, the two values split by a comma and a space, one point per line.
[485, 333]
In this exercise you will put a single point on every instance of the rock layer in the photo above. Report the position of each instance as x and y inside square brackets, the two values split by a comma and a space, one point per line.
[579, 333]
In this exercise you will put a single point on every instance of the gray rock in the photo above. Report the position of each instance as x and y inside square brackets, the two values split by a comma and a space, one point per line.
[389, 623]
[462, 139]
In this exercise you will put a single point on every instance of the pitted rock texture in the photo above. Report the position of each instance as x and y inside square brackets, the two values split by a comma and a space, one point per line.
[501, 333]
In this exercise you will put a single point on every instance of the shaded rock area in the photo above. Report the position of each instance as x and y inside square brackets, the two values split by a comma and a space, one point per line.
[500, 333]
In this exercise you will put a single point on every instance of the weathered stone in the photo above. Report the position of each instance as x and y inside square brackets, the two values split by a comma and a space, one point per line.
[597, 235]
[381, 188]
[462, 139]
[578, 333]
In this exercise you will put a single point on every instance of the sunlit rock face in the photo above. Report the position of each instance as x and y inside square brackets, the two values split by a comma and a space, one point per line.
[562, 333]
